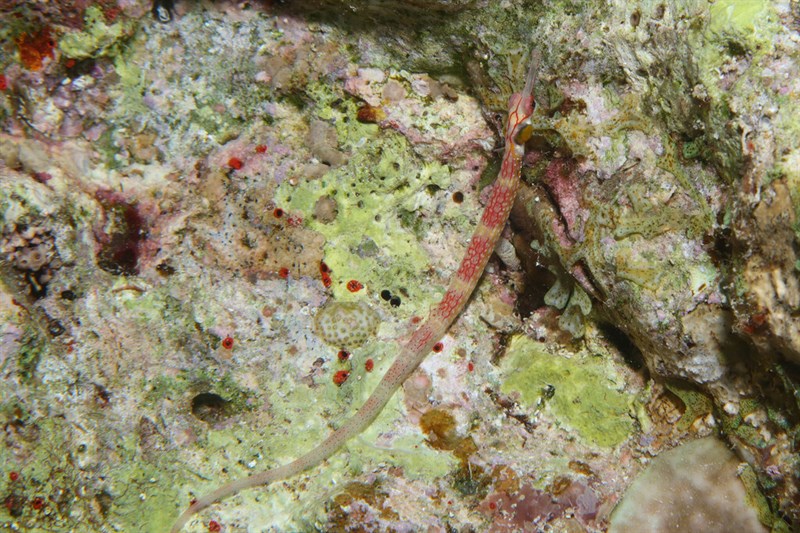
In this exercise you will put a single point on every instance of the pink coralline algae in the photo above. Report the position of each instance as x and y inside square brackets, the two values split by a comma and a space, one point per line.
[562, 183]
[528, 508]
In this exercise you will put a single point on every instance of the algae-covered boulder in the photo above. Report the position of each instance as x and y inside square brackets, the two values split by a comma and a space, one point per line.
[664, 182]
[654, 199]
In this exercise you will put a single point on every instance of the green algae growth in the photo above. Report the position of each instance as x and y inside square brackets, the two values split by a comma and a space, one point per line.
[586, 397]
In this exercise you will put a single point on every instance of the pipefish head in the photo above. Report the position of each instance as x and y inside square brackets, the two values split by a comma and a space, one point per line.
[496, 79]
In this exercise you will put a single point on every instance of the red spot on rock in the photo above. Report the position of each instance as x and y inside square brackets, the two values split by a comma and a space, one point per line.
[354, 285]
[438, 347]
[343, 355]
[235, 163]
[227, 342]
[261, 149]
[756, 322]
[42, 177]
[3, 82]
[369, 364]
[13, 476]
[283, 272]
[111, 14]
[214, 526]
[38, 503]
[340, 377]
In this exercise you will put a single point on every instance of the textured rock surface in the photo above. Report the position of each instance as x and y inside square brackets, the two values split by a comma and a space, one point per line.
[169, 191]
[693, 487]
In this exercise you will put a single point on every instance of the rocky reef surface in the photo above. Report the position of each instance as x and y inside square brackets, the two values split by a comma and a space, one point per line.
[217, 222]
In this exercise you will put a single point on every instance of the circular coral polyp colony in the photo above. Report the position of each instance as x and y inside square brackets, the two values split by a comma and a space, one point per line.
[346, 325]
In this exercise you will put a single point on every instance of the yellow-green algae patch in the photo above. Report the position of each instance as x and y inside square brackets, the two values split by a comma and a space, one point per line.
[87, 477]
[754, 21]
[97, 39]
[382, 179]
[302, 417]
[587, 391]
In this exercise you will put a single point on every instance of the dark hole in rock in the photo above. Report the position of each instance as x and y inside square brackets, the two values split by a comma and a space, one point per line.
[735, 49]
[165, 269]
[67, 294]
[101, 396]
[80, 68]
[720, 246]
[537, 282]
[629, 351]
[55, 328]
[209, 407]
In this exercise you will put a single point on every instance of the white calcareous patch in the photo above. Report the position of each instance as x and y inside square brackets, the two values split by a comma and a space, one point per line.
[346, 324]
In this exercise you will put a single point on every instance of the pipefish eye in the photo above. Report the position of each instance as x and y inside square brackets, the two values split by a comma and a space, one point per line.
[523, 133]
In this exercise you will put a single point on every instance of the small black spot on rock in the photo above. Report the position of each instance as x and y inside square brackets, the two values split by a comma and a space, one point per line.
[55, 328]
[101, 396]
[68, 295]
[165, 269]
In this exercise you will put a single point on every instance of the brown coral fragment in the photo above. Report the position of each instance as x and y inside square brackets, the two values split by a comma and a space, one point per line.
[34, 48]
[440, 428]
[368, 114]
[359, 507]
[326, 210]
